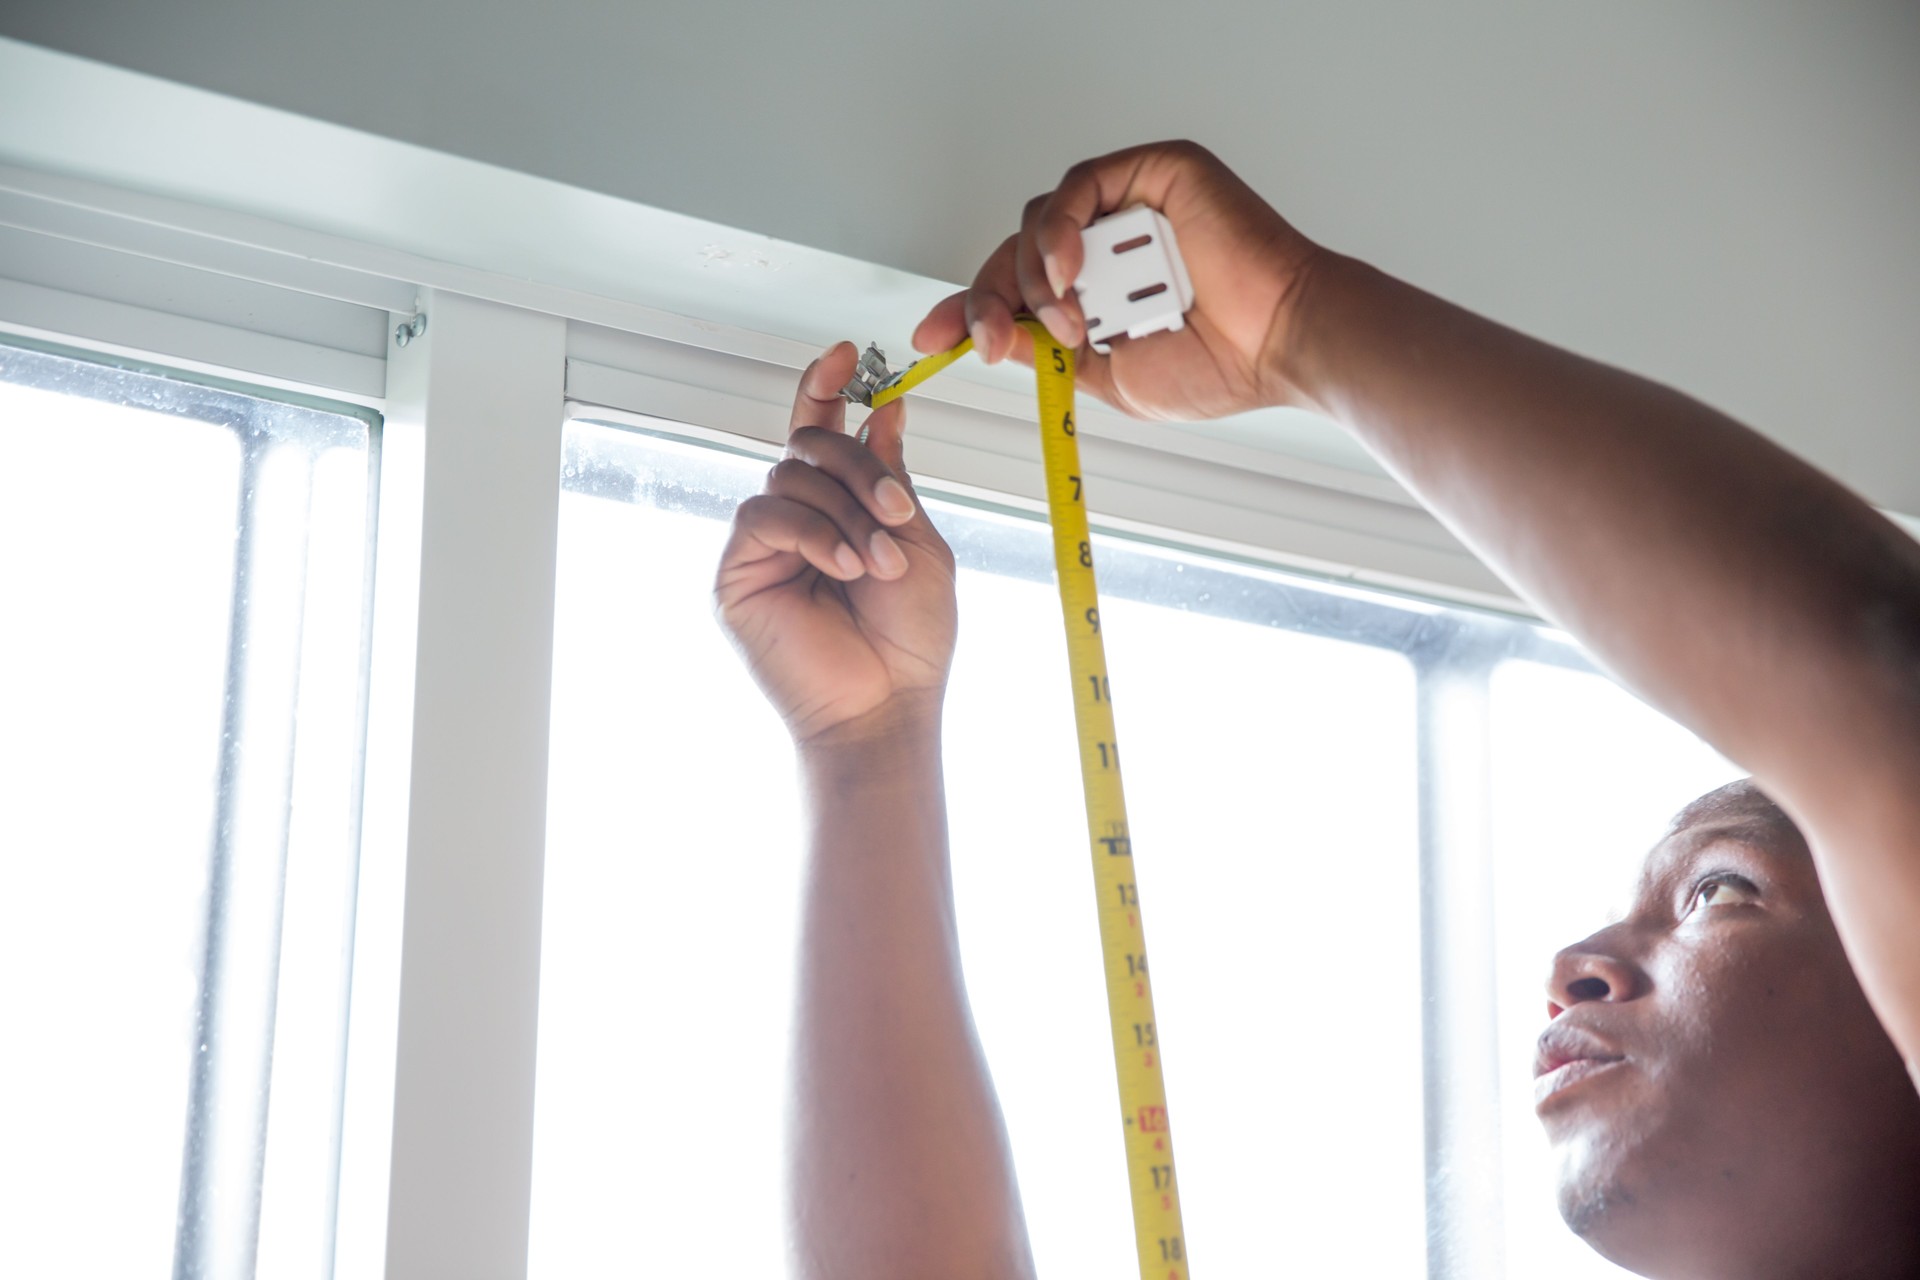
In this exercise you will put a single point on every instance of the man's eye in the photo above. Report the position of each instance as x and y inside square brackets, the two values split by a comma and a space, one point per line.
[1722, 889]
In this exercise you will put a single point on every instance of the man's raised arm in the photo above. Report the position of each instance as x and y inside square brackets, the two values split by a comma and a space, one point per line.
[839, 593]
[1734, 586]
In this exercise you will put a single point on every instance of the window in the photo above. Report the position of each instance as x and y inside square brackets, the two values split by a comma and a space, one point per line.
[184, 579]
[1276, 731]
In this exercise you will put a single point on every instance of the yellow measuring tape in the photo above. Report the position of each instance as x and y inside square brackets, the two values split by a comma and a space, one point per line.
[1136, 1049]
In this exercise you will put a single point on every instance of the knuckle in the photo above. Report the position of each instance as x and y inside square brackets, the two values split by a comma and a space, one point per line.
[1190, 151]
[786, 471]
[808, 439]
[983, 305]
[992, 269]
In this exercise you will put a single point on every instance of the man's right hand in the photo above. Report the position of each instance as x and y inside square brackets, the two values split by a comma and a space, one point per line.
[836, 588]
[1246, 263]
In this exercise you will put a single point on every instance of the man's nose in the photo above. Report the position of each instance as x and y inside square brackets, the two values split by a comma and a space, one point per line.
[1594, 968]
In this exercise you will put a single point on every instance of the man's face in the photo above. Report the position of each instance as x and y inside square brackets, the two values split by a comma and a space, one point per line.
[1721, 1098]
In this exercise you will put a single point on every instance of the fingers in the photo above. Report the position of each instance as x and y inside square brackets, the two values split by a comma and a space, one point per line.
[1034, 270]
[885, 431]
[992, 302]
[817, 402]
[861, 471]
[862, 545]
[857, 490]
[1086, 191]
[1011, 282]
[943, 326]
[817, 436]
[829, 500]
[769, 522]
[1057, 308]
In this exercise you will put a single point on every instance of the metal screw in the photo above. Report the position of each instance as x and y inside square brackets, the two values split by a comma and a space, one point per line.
[407, 332]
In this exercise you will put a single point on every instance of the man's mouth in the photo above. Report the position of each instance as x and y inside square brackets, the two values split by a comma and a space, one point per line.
[1567, 1056]
[1568, 1074]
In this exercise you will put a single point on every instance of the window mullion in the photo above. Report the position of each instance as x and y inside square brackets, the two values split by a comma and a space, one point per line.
[483, 389]
[1465, 1194]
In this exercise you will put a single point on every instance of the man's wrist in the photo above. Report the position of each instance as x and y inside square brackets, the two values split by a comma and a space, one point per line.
[901, 735]
[1291, 366]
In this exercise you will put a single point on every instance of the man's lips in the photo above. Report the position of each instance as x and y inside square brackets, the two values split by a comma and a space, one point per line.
[1568, 1054]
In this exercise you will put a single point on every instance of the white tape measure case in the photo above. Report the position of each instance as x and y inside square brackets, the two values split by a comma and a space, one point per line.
[1133, 281]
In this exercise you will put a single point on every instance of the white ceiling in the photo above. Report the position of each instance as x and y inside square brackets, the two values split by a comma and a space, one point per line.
[1722, 193]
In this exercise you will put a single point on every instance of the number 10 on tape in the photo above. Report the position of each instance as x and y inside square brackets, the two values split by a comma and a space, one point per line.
[1136, 1050]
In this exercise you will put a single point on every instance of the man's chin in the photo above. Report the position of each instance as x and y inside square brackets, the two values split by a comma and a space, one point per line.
[1596, 1200]
[1613, 1205]
[1594, 1211]
[1609, 1219]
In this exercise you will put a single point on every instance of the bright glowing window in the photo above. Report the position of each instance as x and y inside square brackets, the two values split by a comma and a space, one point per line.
[184, 577]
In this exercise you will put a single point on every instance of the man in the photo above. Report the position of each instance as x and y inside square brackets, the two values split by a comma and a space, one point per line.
[1722, 1071]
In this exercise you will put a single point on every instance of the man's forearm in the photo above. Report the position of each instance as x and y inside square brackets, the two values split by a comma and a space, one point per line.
[899, 1158]
[1738, 588]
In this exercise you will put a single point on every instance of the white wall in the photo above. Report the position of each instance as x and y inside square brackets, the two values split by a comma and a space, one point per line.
[1721, 193]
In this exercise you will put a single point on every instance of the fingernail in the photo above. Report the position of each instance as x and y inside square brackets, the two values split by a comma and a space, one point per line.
[1057, 323]
[887, 556]
[849, 561]
[979, 332]
[1056, 278]
[895, 503]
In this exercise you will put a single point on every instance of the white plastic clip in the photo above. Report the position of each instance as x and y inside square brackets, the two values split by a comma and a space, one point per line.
[1133, 281]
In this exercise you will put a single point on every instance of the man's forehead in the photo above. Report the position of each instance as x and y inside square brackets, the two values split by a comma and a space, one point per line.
[1741, 798]
[1764, 831]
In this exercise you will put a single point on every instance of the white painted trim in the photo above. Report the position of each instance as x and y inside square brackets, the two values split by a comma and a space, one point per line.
[201, 346]
[162, 230]
[1004, 392]
[486, 380]
[366, 1140]
[1143, 482]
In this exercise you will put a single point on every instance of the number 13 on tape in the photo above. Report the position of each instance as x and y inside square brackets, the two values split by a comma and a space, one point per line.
[1136, 1049]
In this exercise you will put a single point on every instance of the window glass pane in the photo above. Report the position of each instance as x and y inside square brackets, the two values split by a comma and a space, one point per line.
[1271, 781]
[1585, 778]
[183, 576]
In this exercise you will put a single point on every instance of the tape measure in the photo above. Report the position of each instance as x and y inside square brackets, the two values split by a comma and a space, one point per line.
[1136, 1047]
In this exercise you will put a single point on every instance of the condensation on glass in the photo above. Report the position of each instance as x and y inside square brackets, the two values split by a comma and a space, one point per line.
[1332, 791]
[184, 575]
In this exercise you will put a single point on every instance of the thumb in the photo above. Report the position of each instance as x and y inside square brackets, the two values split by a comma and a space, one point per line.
[885, 428]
